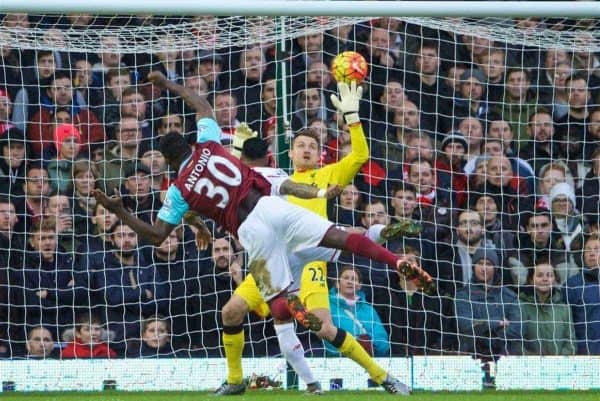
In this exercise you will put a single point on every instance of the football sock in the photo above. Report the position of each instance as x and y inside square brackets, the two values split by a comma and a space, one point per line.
[350, 348]
[293, 351]
[362, 246]
[233, 343]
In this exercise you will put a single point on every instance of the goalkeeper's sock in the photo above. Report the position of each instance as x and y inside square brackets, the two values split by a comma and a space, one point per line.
[293, 351]
[363, 246]
[233, 342]
[350, 348]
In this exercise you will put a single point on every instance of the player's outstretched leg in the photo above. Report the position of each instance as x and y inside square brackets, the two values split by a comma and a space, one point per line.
[362, 246]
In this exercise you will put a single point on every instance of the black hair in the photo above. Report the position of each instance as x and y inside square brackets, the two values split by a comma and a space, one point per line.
[173, 146]
[255, 148]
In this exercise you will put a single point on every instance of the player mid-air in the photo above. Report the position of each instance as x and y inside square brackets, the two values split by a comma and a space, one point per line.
[215, 184]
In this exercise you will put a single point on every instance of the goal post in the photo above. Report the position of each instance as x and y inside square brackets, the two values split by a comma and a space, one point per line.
[317, 8]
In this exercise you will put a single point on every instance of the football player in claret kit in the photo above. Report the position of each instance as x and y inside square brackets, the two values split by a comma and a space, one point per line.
[213, 183]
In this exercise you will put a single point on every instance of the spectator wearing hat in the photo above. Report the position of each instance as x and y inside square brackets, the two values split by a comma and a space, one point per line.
[60, 94]
[489, 321]
[452, 160]
[472, 101]
[121, 156]
[517, 104]
[13, 161]
[567, 222]
[583, 297]
[5, 111]
[67, 141]
[138, 196]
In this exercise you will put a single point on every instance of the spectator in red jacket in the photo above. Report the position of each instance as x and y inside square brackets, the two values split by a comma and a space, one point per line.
[60, 95]
[88, 339]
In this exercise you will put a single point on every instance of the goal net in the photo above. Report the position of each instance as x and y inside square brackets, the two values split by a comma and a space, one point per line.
[483, 135]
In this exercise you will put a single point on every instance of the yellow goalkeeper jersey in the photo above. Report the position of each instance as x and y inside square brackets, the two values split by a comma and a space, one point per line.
[340, 173]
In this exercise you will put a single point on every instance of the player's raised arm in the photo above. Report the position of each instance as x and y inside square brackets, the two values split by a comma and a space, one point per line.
[348, 103]
[155, 234]
[198, 103]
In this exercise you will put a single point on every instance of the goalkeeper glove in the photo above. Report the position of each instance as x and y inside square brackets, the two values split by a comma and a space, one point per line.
[347, 102]
[242, 132]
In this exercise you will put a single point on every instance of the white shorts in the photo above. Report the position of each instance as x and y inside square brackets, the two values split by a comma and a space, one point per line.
[273, 231]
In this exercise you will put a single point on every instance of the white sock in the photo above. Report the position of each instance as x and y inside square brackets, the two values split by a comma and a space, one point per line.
[293, 351]
[374, 232]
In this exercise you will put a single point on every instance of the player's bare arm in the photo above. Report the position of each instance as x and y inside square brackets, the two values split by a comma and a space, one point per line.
[198, 103]
[155, 234]
[305, 191]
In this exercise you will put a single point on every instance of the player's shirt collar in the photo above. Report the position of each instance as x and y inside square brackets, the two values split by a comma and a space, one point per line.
[183, 164]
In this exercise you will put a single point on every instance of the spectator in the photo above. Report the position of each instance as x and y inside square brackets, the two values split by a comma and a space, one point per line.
[429, 91]
[46, 286]
[28, 97]
[60, 209]
[472, 129]
[347, 209]
[252, 65]
[67, 141]
[209, 68]
[5, 111]
[488, 315]
[133, 103]
[117, 81]
[350, 312]
[451, 160]
[495, 230]
[13, 162]
[551, 174]
[470, 232]
[264, 111]
[590, 199]
[583, 298]
[560, 97]
[36, 188]
[536, 243]
[573, 126]
[156, 339]
[407, 120]
[40, 344]
[88, 341]
[432, 189]
[84, 182]
[178, 270]
[566, 220]
[494, 69]
[131, 291]
[11, 257]
[138, 196]
[60, 94]
[539, 150]
[472, 91]
[122, 156]
[226, 111]
[547, 324]
[309, 104]
[159, 176]
[517, 105]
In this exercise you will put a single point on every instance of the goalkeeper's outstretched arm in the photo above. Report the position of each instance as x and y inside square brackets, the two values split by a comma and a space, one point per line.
[198, 103]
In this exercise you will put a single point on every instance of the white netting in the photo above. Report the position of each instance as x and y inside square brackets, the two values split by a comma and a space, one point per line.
[487, 114]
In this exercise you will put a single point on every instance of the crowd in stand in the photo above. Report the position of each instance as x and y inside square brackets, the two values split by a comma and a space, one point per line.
[491, 148]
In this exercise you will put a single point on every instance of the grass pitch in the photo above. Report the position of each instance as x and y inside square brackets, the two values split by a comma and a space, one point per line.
[279, 395]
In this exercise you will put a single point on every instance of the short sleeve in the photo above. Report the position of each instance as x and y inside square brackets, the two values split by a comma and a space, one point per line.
[174, 206]
[207, 130]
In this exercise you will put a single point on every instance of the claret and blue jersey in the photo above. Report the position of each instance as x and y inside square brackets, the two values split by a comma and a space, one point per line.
[211, 182]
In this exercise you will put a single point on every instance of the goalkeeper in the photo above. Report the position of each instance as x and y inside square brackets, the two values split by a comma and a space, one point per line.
[311, 307]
